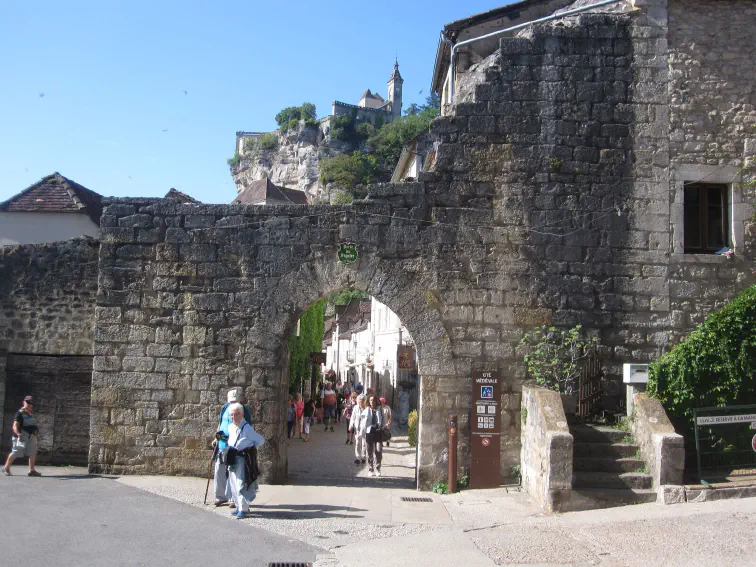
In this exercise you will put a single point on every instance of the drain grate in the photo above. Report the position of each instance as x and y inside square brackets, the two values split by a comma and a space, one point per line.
[414, 499]
[286, 564]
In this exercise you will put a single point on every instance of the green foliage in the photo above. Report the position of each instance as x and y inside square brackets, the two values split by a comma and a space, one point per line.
[348, 170]
[524, 415]
[516, 473]
[365, 130]
[714, 366]
[346, 296]
[440, 488]
[627, 440]
[343, 128]
[289, 117]
[234, 161]
[343, 198]
[463, 482]
[412, 428]
[555, 163]
[554, 356]
[310, 340]
[387, 143]
[266, 142]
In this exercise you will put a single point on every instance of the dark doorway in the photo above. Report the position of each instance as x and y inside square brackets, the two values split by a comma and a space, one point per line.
[62, 390]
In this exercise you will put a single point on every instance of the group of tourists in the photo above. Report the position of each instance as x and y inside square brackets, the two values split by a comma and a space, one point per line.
[367, 418]
[235, 456]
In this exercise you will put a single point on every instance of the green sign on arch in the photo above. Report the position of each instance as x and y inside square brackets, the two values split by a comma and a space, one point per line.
[348, 253]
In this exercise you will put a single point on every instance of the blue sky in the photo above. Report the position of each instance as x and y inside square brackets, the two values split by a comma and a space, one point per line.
[132, 98]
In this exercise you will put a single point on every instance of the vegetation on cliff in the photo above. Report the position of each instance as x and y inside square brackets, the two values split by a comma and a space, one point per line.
[289, 117]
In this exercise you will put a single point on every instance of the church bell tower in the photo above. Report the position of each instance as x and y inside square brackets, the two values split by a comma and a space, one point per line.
[395, 91]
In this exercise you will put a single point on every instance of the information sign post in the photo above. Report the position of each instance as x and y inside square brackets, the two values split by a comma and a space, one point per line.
[485, 419]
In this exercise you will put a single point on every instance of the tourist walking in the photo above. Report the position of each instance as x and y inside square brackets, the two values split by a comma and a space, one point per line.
[386, 416]
[374, 426]
[220, 478]
[351, 403]
[357, 427]
[299, 411]
[291, 415]
[25, 437]
[329, 402]
[309, 415]
[241, 462]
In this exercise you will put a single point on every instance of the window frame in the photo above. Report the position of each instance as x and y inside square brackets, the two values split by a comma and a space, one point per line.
[703, 216]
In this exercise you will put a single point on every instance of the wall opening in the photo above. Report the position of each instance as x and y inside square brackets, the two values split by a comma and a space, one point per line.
[356, 344]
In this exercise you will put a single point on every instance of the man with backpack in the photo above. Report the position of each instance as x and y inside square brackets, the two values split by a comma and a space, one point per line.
[330, 402]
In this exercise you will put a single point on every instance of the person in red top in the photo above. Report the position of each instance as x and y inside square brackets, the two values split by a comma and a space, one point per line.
[329, 402]
[299, 410]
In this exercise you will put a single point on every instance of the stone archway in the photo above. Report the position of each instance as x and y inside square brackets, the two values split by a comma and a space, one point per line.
[400, 285]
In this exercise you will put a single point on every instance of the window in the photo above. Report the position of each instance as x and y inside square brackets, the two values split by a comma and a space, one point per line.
[706, 221]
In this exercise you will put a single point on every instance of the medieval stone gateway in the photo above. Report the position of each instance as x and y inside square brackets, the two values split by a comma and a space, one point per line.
[558, 196]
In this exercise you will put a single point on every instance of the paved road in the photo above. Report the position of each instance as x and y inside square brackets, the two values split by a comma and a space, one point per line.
[86, 521]
[327, 460]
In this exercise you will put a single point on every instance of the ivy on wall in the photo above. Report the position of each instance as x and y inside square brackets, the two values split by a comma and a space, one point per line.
[714, 366]
[310, 340]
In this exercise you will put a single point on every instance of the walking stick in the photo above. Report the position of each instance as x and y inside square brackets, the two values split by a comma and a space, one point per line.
[210, 472]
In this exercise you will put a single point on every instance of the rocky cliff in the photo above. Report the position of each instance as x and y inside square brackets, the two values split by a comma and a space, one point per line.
[293, 164]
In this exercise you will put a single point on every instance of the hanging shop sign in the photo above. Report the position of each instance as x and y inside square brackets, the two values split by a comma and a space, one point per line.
[405, 357]
[348, 253]
[318, 357]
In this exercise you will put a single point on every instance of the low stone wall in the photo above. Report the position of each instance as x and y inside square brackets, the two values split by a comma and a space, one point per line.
[661, 448]
[546, 454]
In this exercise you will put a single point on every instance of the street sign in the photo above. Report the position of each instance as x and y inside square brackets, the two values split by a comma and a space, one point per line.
[723, 419]
[318, 357]
[348, 253]
[485, 467]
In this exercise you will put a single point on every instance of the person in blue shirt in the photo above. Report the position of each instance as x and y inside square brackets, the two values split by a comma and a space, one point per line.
[220, 479]
[241, 464]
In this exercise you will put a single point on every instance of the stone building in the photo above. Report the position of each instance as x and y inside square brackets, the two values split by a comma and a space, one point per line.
[572, 185]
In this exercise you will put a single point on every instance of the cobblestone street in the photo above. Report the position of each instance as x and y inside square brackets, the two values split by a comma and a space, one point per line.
[327, 460]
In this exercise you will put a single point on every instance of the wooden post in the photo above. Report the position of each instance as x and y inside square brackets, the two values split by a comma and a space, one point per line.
[452, 454]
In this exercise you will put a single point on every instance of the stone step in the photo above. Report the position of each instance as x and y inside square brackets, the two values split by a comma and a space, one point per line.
[584, 479]
[595, 498]
[607, 464]
[594, 434]
[616, 450]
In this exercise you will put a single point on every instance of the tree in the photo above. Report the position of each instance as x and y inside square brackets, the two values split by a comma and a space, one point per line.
[348, 170]
[310, 340]
[388, 142]
[289, 117]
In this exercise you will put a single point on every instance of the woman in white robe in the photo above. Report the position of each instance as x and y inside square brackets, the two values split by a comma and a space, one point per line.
[241, 436]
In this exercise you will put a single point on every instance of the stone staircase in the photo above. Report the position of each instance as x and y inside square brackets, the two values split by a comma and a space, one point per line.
[606, 469]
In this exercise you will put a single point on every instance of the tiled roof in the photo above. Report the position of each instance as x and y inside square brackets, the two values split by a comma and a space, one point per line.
[56, 194]
[179, 196]
[264, 189]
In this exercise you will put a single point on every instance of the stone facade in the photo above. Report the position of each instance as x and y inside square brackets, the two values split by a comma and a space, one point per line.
[555, 199]
[47, 304]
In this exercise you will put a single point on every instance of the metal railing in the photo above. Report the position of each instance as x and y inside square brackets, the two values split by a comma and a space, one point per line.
[725, 441]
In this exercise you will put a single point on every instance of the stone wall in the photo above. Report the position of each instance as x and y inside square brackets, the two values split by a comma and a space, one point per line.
[546, 458]
[552, 201]
[663, 450]
[47, 301]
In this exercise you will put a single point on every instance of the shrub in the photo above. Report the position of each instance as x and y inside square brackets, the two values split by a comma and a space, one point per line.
[365, 129]
[714, 366]
[268, 141]
[348, 170]
[234, 161]
[440, 487]
[554, 356]
[388, 141]
[289, 117]
[412, 428]
[342, 198]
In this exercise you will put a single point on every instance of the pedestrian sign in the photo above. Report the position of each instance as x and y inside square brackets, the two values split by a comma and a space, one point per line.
[486, 392]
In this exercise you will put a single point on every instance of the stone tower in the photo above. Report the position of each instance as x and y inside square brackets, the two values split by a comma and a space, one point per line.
[395, 91]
